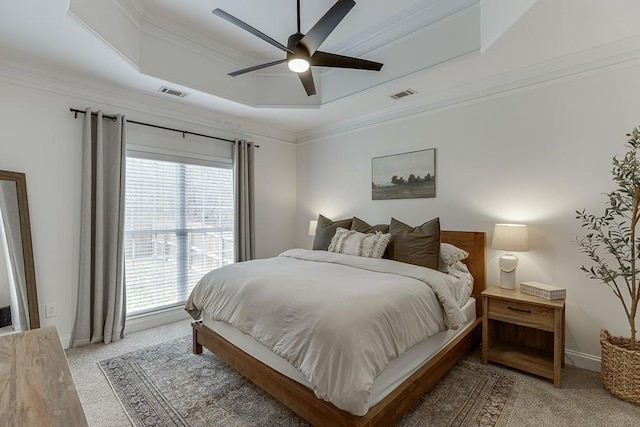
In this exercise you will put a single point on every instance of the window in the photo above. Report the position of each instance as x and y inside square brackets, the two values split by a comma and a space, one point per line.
[178, 226]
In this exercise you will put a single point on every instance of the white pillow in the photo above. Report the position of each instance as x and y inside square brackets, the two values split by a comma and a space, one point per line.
[351, 242]
[449, 255]
[464, 288]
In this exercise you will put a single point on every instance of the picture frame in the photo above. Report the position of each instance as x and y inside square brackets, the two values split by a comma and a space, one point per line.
[409, 175]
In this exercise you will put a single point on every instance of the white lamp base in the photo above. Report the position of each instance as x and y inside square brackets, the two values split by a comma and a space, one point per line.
[508, 264]
[508, 280]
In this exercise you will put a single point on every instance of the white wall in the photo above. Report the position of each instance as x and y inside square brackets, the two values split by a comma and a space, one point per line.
[532, 156]
[39, 136]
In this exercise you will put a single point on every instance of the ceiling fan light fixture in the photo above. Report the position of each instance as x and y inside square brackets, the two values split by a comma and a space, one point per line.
[302, 48]
[298, 65]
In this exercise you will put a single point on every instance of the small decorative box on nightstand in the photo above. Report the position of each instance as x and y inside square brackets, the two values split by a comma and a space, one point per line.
[543, 290]
[523, 331]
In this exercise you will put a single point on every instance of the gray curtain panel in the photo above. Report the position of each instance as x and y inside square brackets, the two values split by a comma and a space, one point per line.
[100, 314]
[244, 245]
[11, 239]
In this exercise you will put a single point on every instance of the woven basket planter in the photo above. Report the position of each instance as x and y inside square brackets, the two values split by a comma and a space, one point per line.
[620, 367]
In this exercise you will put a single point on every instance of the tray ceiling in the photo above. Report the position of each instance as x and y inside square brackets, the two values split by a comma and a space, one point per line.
[448, 51]
[185, 43]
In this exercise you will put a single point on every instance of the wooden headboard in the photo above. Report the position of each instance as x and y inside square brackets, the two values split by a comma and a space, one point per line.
[474, 243]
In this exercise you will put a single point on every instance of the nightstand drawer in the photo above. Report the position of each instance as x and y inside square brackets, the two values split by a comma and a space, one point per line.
[521, 313]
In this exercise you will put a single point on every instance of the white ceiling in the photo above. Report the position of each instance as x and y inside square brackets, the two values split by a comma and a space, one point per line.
[445, 49]
[183, 42]
[276, 18]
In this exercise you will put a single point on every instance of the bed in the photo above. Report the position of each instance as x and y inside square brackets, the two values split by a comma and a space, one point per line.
[397, 393]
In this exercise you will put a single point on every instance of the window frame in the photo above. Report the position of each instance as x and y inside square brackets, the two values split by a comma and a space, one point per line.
[159, 154]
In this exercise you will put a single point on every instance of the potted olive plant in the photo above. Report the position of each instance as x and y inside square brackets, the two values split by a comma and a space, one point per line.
[612, 242]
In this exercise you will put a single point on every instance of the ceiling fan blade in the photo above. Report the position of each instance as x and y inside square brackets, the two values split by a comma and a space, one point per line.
[224, 15]
[321, 30]
[307, 81]
[324, 59]
[256, 67]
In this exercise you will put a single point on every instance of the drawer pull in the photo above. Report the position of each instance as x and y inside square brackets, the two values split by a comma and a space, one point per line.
[518, 309]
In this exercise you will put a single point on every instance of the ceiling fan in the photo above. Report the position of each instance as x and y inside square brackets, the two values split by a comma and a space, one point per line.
[302, 49]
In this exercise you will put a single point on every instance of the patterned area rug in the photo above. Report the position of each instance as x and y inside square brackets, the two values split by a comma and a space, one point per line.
[167, 385]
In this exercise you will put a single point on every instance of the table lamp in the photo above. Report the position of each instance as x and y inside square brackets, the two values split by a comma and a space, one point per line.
[313, 224]
[510, 238]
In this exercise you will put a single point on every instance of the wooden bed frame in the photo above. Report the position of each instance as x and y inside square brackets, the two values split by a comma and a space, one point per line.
[318, 412]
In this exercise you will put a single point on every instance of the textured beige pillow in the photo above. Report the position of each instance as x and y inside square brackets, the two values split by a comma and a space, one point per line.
[415, 245]
[351, 242]
[326, 229]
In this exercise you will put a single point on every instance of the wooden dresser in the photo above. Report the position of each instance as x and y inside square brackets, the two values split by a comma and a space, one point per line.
[36, 387]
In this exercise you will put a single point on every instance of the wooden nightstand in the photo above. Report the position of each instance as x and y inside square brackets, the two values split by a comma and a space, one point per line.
[523, 331]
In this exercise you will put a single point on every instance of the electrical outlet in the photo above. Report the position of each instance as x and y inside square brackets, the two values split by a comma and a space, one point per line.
[50, 310]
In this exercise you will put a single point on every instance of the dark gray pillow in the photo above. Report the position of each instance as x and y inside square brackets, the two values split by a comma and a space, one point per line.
[415, 245]
[362, 227]
[325, 231]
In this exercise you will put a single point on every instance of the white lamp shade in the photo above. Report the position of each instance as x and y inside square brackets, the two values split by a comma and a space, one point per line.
[510, 237]
[313, 224]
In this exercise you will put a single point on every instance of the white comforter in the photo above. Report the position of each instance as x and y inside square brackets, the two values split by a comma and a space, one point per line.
[338, 318]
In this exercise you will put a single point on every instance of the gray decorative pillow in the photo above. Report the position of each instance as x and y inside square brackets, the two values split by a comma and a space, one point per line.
[326, 229]
[449, 255]
[415, 245]
[363, 227]
[351, 242]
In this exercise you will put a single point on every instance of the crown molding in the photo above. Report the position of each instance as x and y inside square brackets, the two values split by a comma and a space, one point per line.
[132, 10]
[422, 25]
[106, 42]
[157, 29]
[620, 53]
[198, 44]
[139, 101]
[157, 25]
[401, 25]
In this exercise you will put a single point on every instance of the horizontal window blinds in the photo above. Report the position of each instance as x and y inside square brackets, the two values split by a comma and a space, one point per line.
[178, 226]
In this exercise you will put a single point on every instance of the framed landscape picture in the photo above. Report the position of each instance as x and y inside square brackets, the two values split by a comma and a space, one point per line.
[404, 176]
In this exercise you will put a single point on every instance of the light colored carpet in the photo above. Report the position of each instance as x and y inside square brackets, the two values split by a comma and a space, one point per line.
[100, 404]
[582, 401]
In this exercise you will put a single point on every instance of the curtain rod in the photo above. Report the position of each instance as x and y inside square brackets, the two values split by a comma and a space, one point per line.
[183, 132]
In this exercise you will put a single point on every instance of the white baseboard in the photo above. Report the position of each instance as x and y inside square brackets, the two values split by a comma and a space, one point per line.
[582, 360]
[151, 320]
[66, 341]
[158, 318]
[144, 321]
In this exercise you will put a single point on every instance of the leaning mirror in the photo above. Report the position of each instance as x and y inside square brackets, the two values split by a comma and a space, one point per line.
[18, 295]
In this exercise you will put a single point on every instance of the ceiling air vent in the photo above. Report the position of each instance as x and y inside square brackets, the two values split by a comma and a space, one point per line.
[403, 94]
[174, 92]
